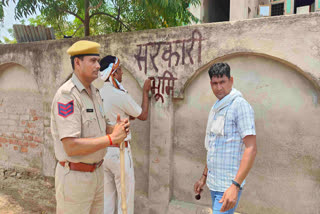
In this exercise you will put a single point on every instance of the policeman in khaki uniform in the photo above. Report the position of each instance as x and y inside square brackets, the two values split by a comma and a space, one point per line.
[78, 126]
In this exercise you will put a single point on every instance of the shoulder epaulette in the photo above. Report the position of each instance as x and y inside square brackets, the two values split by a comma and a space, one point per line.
[67, 87]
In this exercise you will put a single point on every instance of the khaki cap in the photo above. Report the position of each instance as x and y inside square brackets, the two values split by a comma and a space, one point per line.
[84, 47]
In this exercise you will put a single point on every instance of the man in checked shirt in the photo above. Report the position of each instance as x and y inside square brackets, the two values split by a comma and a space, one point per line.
[230, 142]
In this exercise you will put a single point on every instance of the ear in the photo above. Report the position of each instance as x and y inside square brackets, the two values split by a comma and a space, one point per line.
[231, 79]
[76, 62]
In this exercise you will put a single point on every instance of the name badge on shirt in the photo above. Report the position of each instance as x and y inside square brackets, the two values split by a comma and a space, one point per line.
[89, 110]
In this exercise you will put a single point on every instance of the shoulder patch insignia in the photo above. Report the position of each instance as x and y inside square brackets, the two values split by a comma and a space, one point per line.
[64, 110]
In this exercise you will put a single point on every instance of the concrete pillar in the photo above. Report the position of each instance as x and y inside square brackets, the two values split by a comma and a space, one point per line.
[289, 6]
[202, 10]
[253, 6]
[205, 14]
[317, 5]
[238, 10]
[161, 146]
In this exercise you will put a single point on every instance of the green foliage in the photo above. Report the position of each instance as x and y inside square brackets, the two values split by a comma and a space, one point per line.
[9, 41]
[167, 13]
[60, 26]
[95, 17]
[1, 11]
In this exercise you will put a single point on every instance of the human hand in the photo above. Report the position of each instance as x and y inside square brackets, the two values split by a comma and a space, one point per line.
[120, 131]
[229, 198]
[197, 187]
[125, 123]
[147, 85]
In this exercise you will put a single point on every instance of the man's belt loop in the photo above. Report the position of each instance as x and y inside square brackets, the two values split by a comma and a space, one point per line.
[66, 165]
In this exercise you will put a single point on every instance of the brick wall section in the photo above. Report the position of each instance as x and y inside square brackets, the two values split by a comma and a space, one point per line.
[22, 130]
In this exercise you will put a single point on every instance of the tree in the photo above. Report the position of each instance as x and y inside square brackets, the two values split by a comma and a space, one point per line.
[61, 28]
[8, 40]
[110, 15]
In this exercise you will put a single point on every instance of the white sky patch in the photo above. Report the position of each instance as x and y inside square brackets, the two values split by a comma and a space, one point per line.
[9, 20]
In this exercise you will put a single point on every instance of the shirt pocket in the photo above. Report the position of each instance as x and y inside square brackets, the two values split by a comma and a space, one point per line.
[218, 125]
[90, 127]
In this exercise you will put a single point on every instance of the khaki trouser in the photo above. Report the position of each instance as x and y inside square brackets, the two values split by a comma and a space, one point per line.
[112, 185]
[79, 192]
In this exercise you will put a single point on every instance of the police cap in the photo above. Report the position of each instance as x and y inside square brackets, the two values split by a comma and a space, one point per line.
[84, 48]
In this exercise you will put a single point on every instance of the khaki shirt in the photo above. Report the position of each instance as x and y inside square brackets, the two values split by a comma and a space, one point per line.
[119, 102]
[75, 114]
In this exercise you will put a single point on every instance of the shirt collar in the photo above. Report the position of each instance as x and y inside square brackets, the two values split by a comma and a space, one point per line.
[77, 82]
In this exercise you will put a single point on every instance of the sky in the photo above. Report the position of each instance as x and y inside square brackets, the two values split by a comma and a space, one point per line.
[9, 20]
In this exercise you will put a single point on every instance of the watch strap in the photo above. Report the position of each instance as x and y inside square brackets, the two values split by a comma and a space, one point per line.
[236, 184]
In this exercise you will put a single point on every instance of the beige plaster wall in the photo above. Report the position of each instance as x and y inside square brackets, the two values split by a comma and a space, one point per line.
[276, 64]
[286, 109]
[21, 123]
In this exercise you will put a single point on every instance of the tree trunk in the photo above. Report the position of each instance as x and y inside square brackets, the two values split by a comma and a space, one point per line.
[86, 18]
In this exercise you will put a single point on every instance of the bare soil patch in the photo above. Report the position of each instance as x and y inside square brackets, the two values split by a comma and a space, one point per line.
[23, 192]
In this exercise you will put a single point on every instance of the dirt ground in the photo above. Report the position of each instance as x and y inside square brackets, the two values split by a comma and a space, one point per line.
[26, 192]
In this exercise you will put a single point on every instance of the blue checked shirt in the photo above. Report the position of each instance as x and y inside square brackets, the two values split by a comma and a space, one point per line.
[225, 152]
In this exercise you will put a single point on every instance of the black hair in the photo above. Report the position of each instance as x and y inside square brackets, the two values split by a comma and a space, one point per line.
[72, 60]
[106, 61]
[219, 69]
